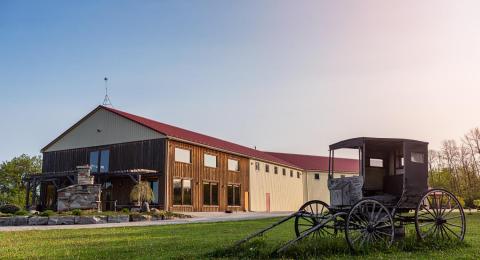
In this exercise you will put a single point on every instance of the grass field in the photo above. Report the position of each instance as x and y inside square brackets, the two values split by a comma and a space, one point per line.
[212, 240]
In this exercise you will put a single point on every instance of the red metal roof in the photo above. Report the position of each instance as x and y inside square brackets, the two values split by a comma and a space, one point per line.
[318, 163]
[190, 136]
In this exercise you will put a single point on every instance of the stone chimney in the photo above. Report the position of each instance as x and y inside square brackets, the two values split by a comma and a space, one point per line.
[83, 175]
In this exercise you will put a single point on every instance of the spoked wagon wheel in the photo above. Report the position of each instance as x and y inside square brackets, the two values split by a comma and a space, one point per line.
[313, 213]
[439, 215]
[369, 224]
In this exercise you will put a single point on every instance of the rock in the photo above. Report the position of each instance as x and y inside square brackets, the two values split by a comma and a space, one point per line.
[155, 211]
[136, 218]
[61, 220]
[35, 221]
[33, 212]
[19, 221]
[5, 221]
[118, 219]
[85, 220]
[145, 207]
[135, 209]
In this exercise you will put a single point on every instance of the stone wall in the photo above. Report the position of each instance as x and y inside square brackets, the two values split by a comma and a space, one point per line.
[82, 195]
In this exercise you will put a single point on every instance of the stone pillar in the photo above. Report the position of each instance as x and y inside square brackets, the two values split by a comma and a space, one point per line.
[83, 175]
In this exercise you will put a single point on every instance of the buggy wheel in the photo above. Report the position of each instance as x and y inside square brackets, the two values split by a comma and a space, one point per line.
[369, 224]
[439, 215]
[311, 214]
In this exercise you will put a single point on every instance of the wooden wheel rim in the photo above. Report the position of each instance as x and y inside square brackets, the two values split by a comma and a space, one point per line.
[314, 212]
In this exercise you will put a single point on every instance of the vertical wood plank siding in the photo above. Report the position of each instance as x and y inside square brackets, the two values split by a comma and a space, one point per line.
[198, 173]
[149, 154]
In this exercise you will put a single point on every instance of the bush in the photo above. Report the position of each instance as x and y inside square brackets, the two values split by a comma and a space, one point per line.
[461, 201]
[125, 210]
[21, 212]
[47, 213]
[77, 212]
[9, 209]
[476, 203]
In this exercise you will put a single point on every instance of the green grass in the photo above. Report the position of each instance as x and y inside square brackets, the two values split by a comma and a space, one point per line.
[212, 240]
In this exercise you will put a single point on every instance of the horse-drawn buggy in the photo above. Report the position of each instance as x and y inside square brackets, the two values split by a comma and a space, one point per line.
[373, 208]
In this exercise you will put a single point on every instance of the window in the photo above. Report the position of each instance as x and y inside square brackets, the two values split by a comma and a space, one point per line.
[233, 165]
[233, 192]
[267, 168]
[210, 193]
[99, 161]
[257, 166]
[182, 155]
[182, 192]
[210, 160]
[284, 171]
[317, 176]
[291, 174]
[298, 175]
[275, 169]
[376, 162]
[417, 157]
[154, 186]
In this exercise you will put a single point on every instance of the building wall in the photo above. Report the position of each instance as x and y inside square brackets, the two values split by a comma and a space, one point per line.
[318, 189]
[286, 193]
[198, 173]
[103, 128]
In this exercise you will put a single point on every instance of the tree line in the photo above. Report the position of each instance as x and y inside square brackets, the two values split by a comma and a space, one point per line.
[456, 167]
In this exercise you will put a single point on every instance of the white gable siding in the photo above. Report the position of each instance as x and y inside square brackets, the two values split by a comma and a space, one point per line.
[102, 128]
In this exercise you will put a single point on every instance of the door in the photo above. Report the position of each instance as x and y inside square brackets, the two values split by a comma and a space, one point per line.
[267, 197]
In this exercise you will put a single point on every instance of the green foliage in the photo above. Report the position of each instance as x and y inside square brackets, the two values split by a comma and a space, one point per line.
[476, 203]
[77, 212]
[461, 201]
[12, 188]
[47, 213]
[9, 209]
[21, 212]
[125, 210]
[141, 192]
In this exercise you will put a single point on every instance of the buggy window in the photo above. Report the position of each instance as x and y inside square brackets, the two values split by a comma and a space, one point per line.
[417, 157]
[376, 162]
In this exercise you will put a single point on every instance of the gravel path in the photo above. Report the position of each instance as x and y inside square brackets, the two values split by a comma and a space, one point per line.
[198, 217]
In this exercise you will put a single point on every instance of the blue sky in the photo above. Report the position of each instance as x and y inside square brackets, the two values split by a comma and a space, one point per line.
[280, 75]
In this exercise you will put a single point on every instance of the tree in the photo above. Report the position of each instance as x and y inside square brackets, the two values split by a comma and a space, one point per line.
[141, 192]
[12, 188]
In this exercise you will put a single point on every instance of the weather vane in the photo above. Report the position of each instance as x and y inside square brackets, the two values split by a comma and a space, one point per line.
[106, 100]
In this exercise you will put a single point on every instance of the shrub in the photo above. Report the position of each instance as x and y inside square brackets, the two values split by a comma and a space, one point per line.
[461, 201]
[9, 209]
[21, 212]
[476, 203]
[141, 192]
[77, 212]
[47, 213]
[125, 210]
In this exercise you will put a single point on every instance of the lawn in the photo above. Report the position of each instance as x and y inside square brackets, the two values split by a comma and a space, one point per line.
[211, 240]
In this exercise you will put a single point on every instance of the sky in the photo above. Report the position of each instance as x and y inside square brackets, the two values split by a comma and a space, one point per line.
[286, 76]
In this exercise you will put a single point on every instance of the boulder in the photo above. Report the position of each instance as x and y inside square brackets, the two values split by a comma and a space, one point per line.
[36, 221]
[118, 219]
[19, 221]
[5, 221]
[61, 220]
[138, 217]
[85, 220]
[145, 207]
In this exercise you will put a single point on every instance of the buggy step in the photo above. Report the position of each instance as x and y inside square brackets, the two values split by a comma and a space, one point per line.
[261, 232]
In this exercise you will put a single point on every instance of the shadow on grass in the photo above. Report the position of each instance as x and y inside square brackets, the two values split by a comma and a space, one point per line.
[330, 247]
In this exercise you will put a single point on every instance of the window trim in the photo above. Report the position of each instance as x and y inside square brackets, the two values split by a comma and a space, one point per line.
[181, 148]
[238, 164]
[99, 151]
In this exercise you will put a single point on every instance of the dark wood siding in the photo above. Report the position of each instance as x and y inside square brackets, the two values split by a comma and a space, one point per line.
[198, 173]
[149, 154]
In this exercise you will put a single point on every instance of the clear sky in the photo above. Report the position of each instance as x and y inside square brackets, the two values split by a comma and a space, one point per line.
[290, 76]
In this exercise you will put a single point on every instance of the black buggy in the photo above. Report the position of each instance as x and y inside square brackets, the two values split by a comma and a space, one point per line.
[372, 209]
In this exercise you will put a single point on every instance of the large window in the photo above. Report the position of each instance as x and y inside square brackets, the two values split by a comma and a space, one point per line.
[182, 192]
[182, 155]
[233, 165]
[374, 162]
[210, 160]
[233, 192]
[99, 161]
[417, 157]
[154, 186]
[210, 193]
